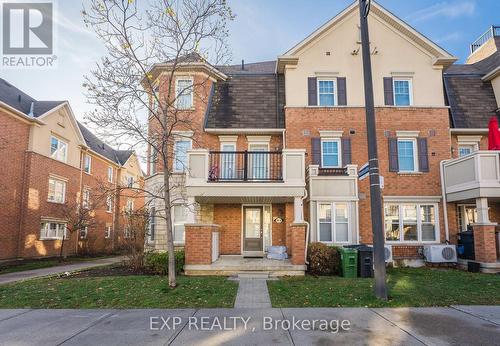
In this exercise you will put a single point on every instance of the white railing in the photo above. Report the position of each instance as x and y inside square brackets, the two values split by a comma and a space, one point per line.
[491, 32]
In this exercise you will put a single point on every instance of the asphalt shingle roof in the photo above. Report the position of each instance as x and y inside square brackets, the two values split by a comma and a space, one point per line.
[472, 101]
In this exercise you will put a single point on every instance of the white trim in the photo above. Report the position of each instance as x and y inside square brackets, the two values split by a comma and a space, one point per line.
[414, 199]
[56, 180]
[402, 74]
[410, 90]
[331, 134]
[335, 91]
[415, 155]
[49, 221]
[326, 74]
[228, 139]
[59, 140]
[339, 153]
[90, 163]
[258, 140]
[174, 163]
[407, 134]
[333, 221]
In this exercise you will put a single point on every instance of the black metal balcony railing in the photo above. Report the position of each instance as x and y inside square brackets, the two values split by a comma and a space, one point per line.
[332, 171]
[493, 31]
[245, 166]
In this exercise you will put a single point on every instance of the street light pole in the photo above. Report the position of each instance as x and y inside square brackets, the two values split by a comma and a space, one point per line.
[375, 196]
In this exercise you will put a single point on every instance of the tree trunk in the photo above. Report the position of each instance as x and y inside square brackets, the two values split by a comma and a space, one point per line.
[172, 281]
[61, 252]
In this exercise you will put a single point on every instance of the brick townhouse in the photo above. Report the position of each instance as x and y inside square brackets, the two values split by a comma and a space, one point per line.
[53, 163]
[274, 148]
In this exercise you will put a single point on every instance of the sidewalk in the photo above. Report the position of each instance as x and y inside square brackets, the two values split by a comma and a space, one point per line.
[459, 325]
[30, 274]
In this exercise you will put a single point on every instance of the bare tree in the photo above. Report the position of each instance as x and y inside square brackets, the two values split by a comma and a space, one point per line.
[134, 236]
[124, 87]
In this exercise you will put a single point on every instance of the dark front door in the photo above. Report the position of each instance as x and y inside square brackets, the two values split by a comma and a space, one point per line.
[252, 229]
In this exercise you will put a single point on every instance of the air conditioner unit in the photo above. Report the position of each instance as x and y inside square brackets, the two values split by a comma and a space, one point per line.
[387, 253]
[442, 253]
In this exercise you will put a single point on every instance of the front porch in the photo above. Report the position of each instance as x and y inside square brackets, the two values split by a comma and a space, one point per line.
[228, 265]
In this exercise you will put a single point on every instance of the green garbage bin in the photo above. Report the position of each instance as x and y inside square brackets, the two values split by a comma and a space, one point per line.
[349, 260]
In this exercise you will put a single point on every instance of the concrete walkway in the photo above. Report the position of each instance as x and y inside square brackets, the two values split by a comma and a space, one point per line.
[31, 274]
[252, 293]
[460, 325]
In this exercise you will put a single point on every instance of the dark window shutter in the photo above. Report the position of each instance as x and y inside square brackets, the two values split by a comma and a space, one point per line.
[312, 92]
[393, 155]
[388, 93]
[423, 157]
[316, 151]
[342, 92]
[346, 151]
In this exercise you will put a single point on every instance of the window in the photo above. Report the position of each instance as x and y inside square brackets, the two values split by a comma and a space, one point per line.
[84, 232]
[258, 163]
[180, 218]
[228, 161]
[109, 204]
[110, 174]
[409, 222]
[87, 161]
[127, 233]
[326, 93]
[402, 92]
[333, 222]
[465, 150]
[152, 223]
[467, 216]
[407, 155]
[180, 154]
[153, 158]
[155, 97]
[57, 190]
[330, 150]
[130, 206]
[130, 181]
[58, 149]
[52, 230]
[184, 92]
[86, 198]
[107, 232]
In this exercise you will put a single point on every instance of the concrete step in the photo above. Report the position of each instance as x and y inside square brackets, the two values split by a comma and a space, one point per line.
[253, 275]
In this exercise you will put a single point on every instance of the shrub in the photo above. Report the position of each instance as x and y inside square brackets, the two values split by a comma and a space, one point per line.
[323, 259]
[157, 262]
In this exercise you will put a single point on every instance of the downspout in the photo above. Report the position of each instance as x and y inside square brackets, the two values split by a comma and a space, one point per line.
[307, 227]
[445, 203]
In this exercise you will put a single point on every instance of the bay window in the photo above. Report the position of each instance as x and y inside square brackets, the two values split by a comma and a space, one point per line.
[410, 222]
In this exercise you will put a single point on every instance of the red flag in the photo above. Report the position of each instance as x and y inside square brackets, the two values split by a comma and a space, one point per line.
[493, 134]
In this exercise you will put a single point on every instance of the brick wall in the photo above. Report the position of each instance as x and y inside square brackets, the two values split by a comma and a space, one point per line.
[228, 217]
[198, 243]
[298, 243]
[433, 123]
[14, 136]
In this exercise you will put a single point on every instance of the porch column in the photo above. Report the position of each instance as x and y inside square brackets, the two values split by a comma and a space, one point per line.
[298, 210]
[484, 234]
[298, 243]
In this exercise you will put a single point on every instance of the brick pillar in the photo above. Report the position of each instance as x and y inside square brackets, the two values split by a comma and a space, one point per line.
[485, 243]
[298, 243]
[289, 218]
[198, 243]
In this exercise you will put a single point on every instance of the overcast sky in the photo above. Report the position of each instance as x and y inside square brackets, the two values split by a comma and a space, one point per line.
[262, 30]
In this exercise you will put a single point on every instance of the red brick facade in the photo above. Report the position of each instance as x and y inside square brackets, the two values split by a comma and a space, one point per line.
[198, 243]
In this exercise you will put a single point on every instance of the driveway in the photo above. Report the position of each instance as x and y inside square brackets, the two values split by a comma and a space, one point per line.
[35, 273]
[459, 325]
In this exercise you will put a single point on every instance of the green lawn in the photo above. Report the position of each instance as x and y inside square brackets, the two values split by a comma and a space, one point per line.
[407, 287]
[134, 291]
[41, 263]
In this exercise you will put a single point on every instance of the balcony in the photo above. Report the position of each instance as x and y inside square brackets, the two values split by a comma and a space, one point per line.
[473, 176]
[492, 32]
[246, 176]
[245, 166]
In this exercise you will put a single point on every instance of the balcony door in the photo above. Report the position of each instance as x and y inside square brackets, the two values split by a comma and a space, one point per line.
[258, 163]
[228, 161]
[253, 229]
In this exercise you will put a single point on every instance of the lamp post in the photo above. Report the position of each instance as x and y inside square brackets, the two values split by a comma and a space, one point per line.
[375, 196]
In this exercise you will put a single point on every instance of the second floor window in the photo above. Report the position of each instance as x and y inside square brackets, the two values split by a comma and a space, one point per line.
[58, 149]
[130, 206]
[57, 190]
[402, 92]
[86, 198]
[109, 204]
[153, 159]
[130, 181]
[184, 93]
[180, 154]
[326, 92]
[110, 174]
[87, 162]
[407, 155]
[330, 153]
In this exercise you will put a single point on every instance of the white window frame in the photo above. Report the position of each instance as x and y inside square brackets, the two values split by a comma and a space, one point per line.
[109, 204]
[186, 166]
[86, 198]
[401, 240]
[153, 158]
[461, 212]
[107, 232]
[85, 157]
[83, 233]
[63, 182]
[339, 146]
[335, 91]
[59, 141]
[415, 154]
[472, 148]
[226, 157]
[43, 236]
[111, 172]
[177, 91]
[410, 90]
[129, 207]
[130, 181]
[181, 223]
[333, 222]
[152, 224]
